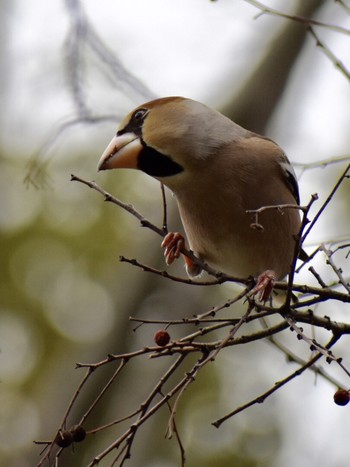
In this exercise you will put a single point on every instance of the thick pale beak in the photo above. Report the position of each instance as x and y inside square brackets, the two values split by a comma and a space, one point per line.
[121, 153]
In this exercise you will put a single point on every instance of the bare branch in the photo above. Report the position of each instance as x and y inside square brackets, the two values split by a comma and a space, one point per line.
[337, 270]
[325, 204]
[326, 50]
[300, 19]
[322, 163]
[146, 223]
[260, 399]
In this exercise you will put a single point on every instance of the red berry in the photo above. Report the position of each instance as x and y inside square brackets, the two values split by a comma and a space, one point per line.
[341, 397]
[162, 338]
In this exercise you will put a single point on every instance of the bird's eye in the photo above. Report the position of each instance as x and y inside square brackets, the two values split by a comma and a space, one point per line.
[139, 114]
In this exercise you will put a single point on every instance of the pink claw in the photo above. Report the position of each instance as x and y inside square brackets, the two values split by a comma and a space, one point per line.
[173, 243]
[264, 285]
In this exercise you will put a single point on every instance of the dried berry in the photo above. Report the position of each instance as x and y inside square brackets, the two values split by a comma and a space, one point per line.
[78, 432]
[257, 226]
[341, 397]
[64, 438]
[162, 338]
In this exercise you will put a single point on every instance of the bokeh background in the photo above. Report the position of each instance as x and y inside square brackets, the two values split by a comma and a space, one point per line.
[69, 71]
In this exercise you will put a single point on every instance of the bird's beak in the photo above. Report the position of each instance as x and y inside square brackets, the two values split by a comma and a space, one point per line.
[121, 153]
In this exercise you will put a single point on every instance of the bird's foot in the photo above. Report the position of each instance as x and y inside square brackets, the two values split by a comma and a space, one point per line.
[173, 243]
[264, 285]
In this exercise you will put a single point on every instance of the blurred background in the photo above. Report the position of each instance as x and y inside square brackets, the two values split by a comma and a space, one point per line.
[70, 71]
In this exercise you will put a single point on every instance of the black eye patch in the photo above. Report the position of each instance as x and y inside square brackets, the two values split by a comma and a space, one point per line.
[135, 123]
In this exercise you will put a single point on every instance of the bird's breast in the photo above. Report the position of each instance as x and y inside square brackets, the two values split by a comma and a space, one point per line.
[223, 236]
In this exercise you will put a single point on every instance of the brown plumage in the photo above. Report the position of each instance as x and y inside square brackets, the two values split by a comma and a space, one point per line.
[217, 171]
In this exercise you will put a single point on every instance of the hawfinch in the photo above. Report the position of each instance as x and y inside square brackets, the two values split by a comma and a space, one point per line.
[218, 172]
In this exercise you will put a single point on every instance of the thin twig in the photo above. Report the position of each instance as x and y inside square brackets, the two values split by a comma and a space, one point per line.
[112, 379]
[326, 50]
[314, 345]
[318, 370]
[261, 398]
[337, 270]
[143, 221]
[321, 164]
[346, 7]
[317, 277]
[300, 19]
[297, 249]
[166, 275]
[65, 416]
[177, 435]
[325, 204]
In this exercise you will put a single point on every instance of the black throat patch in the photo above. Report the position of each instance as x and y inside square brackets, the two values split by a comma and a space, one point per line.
[156, 164]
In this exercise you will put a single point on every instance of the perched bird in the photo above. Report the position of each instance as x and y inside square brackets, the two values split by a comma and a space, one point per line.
[218, 171]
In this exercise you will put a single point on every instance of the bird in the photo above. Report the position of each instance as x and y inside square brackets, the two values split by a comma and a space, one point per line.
[218, 172]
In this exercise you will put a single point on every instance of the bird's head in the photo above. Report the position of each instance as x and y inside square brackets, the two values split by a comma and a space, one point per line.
[167, 137]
